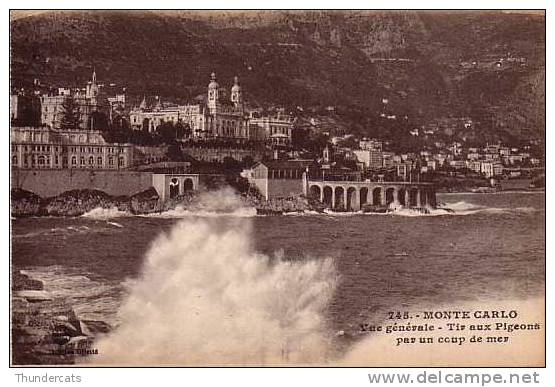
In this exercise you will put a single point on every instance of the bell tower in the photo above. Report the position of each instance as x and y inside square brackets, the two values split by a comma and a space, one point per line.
[236, 94]
[213, 93]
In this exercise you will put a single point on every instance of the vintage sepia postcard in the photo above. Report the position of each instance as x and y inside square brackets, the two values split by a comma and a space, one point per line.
[277, 188]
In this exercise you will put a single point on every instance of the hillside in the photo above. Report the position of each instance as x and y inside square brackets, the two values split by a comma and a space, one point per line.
[431, 67]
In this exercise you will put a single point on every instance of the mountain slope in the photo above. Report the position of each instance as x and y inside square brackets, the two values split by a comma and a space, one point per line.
[488, 67]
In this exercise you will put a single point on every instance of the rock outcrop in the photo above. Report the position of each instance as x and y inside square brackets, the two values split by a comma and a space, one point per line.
[79, 202]
[24, 203]
[276, 206]
[45, 329]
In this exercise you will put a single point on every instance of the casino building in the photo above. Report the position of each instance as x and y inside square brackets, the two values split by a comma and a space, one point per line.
[216, 116]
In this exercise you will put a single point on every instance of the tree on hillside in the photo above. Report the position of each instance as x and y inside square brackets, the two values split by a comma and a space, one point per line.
[174, 153]
[166, 130]
[182, 130]
[98, 121]
[70, 115]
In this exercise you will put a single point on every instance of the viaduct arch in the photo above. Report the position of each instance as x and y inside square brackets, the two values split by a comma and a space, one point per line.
[353, 195]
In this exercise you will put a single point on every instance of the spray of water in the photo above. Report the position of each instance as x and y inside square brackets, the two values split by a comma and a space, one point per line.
[100, 213]
[205, 297]
[222, 202]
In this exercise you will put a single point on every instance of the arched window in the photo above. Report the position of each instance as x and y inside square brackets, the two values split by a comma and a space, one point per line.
[99, 161]
[41, 160]
[14, 160]
[91, 160]
[73, 160]
[174, 187]
[188, 185]
[110, 160]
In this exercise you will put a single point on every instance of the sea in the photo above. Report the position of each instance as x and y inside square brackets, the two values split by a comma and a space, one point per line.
[220, 282]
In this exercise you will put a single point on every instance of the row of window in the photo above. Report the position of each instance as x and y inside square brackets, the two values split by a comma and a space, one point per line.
[35, 136]
[279, 129]
[37, 148]
[99, 161]
[42, 161]
[96, 149]
[82, 149]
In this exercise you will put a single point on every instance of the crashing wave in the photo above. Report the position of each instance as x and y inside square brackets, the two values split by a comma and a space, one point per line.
[205, 297]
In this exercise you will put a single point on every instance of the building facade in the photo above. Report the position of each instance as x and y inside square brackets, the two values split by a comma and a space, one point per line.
[46, 148]
[278, 178]
[491, 169]
[274, 130]
[371, 158]
[88, 101]
[215, 117]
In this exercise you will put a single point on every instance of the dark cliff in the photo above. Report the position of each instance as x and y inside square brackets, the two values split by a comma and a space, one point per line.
[487, 66]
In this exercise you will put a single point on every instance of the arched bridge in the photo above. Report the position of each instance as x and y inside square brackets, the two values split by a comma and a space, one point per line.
[353, 195]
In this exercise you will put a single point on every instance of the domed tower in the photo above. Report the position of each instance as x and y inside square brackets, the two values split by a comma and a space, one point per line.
[236, 94]
[213, 93]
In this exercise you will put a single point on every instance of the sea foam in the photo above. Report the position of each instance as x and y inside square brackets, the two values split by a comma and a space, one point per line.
[100, 213]
[205, 297]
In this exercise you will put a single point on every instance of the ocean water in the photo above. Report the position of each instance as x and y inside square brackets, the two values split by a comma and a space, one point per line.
[190, 287]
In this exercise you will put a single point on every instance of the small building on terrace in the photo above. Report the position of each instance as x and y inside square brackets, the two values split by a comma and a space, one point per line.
[173, 185]
[279, 178]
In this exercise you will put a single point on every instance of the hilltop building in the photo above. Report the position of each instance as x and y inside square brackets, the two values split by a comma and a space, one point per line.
[52, 105]
[371, 158]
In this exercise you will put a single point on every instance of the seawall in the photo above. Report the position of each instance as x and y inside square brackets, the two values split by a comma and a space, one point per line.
[51, 182]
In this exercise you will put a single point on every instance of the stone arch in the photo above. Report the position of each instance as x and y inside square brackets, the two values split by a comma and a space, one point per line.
[339, 198]
[352, 202]
[174, 187]
[188, 185]
[413, 197]
[401, 196]
[327, 195]
[363, 196]
[377, 196]
[315, 192]
[389, 196]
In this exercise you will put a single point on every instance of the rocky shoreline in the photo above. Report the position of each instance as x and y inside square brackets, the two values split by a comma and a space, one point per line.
[45, 330]
[79, 202]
